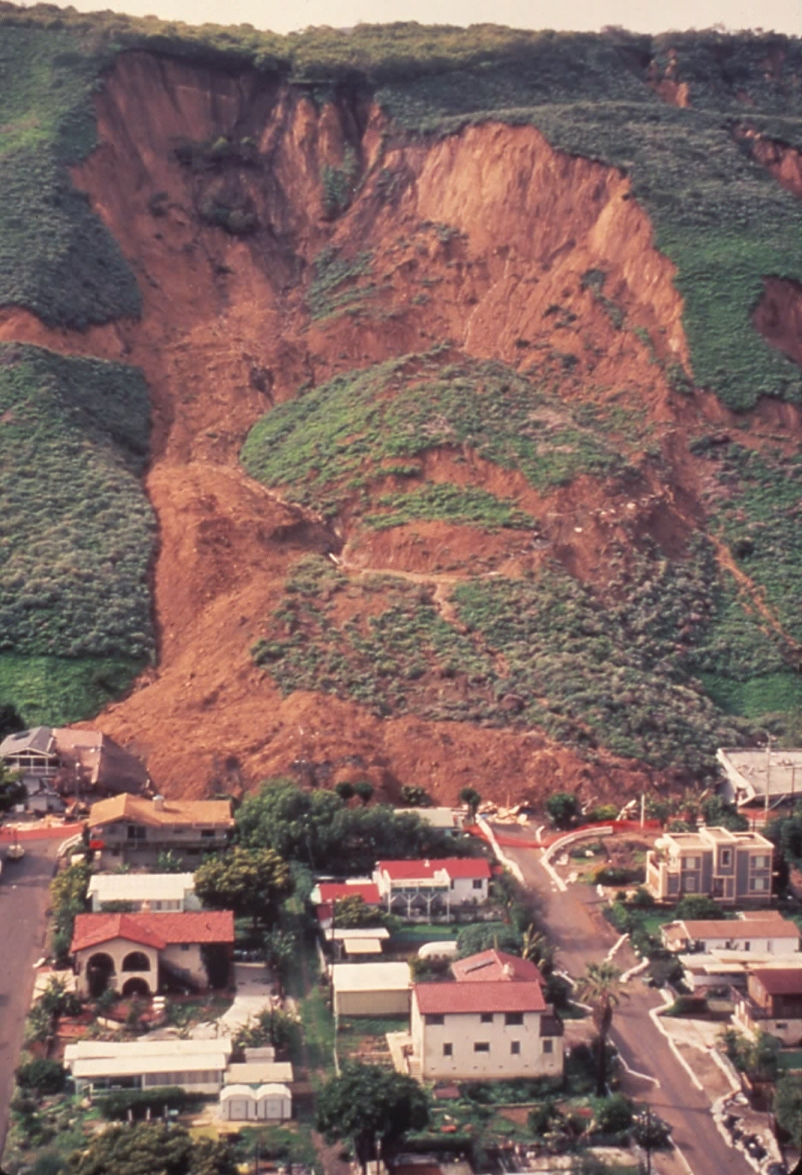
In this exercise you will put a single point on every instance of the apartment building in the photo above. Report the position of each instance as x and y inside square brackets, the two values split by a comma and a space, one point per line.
[732, 868]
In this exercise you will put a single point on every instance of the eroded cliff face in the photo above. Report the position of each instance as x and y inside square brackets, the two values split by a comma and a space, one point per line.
[485, 239]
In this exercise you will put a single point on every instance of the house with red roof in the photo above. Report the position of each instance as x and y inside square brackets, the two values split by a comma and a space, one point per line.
[135, 953]
[436, 888]
[490, 1021]
[773, 1004]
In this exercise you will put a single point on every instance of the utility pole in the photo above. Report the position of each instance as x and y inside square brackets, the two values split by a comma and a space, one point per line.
[768, 780]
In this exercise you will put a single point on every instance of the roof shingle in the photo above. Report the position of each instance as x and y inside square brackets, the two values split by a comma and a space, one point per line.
[153, 930]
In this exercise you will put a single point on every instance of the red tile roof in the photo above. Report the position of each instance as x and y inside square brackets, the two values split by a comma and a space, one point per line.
[741, 928]
[779, 980]
[440, 998]
[153, 930]
[495, 966]
[465, 867]
[334, 891]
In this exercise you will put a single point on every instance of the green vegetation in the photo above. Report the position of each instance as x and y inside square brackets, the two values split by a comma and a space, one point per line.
[592, 669]
[367, 1104]
[76, 533]
[335, 284]
[362, 423]
[465, 505]
[56, 257]
[321, 832]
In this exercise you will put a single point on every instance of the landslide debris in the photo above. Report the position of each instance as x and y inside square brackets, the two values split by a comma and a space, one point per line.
[494, 306]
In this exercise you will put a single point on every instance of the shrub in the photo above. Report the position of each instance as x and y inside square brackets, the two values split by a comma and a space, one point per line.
[43, 1076]
[563, 809]
[613, 1114]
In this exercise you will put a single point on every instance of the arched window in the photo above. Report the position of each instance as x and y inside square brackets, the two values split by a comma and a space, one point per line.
[136, 961]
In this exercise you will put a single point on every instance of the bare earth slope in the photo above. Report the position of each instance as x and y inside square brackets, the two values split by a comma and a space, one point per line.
[474, 238]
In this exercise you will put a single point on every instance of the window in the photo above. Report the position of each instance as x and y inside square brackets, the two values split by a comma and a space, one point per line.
[448, 1050]
[548, 1046]
[477, 883]
[515, 1047]
[761, 862]
[718, 887]
[486, 1018]
[481, 1046]
[758, 883]
[690, 862]
[725, 858]
[135, 832]
[435, 1018]
[689, 884]
[513, 1018]
[207, 832]
[184, 946]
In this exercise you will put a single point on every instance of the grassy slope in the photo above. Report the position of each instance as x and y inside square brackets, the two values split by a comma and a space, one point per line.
[363, 426]
[76, 534]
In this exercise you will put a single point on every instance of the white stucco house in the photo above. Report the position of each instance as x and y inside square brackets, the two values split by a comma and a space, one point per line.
[432, 888]
[127, 952]
[490, 1021]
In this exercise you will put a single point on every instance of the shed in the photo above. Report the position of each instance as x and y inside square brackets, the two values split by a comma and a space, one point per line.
[238, 1103]
[371, 989]
[273, 1102]
[259, 1073]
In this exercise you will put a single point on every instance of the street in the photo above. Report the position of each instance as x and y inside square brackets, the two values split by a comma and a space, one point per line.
[582, 935]
[23, 905]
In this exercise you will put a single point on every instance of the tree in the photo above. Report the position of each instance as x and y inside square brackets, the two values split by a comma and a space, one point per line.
[413, 796]
[788, 1108]
[563, 809]
[280, 948]
[471, 799]
[12, 790]
[697, 907]
[364, 790]
[613, 1114]
[251, 882]
[149, 1147]
[10, 720]
[351, 913]
[537, 948]
[601, 988]
[318, 830]
[370, 1106]
[345, 791]
[41, 1075]
[719, 814]
[651, 1132]
[786, 833]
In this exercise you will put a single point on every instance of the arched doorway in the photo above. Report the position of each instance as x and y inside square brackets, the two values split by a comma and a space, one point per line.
[136, 987]
[99, 971]
[136, 961]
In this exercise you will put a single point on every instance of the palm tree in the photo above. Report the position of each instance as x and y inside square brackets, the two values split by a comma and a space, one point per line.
[601, 988]
[537, 948]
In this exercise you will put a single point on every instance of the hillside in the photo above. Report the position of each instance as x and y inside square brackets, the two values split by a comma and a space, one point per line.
[473, 361]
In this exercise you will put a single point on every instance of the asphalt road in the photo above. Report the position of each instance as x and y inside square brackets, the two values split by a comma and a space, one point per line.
[582, 935]
[23, 906]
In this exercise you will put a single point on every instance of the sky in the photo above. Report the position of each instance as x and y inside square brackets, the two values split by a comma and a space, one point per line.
[647, 16]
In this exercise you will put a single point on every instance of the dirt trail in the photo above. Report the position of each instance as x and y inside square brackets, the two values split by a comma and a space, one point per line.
[473, 238]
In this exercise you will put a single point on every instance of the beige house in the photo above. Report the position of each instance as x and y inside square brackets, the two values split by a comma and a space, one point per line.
[136, 830]
[755, 933]
[197, 1066]
[130, 952]
[732, 868]
[166, 893]
[491, 1022]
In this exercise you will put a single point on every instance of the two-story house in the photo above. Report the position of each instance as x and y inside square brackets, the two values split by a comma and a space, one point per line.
[59, 761]
[490, 1021]
[732, 868]
[431, 889]
[131, 953]
[772, 1004]
[135, 830]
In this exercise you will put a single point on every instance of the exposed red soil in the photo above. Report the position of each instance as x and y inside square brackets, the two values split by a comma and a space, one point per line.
[478, 238]
[783, 161]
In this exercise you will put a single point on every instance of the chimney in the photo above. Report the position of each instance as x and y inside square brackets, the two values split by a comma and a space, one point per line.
[158, 803]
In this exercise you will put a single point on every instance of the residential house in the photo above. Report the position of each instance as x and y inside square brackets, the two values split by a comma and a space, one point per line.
[733, 868]
[371, 989]
[432, 889]
[165, 893]
[133, 953]
[197, 1066]
[758, 932]
[72, 763]
[754, 778]
[490, 1022]
[772, 1004]
[137, 830]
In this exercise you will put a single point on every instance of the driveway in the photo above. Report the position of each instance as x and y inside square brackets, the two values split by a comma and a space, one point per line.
[23, 907]
[582, 935]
